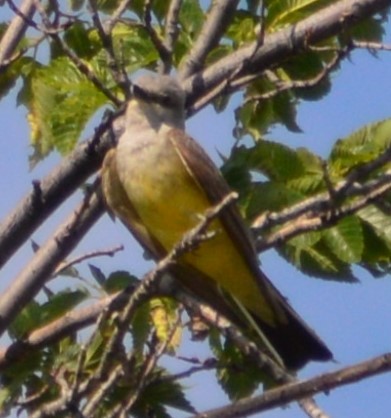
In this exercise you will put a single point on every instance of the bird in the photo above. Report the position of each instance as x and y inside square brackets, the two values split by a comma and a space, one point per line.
[160, 182]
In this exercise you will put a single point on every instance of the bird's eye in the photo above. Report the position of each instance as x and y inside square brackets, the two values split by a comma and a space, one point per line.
[164, 100]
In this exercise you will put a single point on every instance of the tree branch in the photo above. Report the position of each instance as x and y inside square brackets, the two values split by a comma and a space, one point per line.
[299, 390]
[217, 20]
[329, 215]
[50, 192]
[29, 282]
[171, 32]
[15, 31]
[280, 45]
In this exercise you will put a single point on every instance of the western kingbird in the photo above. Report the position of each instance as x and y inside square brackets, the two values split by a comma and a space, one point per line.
[159, 182]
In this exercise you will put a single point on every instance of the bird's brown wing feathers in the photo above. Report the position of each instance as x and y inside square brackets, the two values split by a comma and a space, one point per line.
[293, 339]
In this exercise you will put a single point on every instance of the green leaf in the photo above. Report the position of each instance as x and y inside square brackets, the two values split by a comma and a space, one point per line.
[379, 221]
[58, 90]
[159, 8]
[371, 29]
[28, 319]
[236, 373]
[78, 39]
[278, 162]
[76, 5]
[256, 117]
[283, 12]
[376, 251]
[235, 170]
[166, 392]
[108, 6]
[318, 261]
[141, 326]
[97, 274]
[119, 280]
[306, 240]
[345, 239]
[360, 147]
[191, 17]
[268, 196]
[306, 67]
[61, 303]
[242, 28]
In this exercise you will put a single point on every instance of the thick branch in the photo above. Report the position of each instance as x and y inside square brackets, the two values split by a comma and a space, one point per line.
[49, 193]
[280, 45]
[55, 331]
[295, 391]
[29, 282]
[85, 160]
[217, 21]
[15, 31]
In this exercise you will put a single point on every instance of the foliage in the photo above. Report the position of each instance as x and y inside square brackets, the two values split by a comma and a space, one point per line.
[72, 73]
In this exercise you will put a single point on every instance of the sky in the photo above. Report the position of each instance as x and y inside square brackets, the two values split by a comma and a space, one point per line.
[353, 319]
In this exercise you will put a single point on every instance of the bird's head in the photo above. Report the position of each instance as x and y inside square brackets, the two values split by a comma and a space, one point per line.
[161, 99]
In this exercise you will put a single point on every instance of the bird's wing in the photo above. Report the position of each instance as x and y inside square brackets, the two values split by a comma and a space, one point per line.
[293, 338]
[204, 172]
[119, 203]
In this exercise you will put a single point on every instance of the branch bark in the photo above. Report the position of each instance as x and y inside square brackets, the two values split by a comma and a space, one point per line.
[280, 45]
[85, 160]
[295, 391]
[49, 193]
[216, 22]
[29, 282]
[15, 31]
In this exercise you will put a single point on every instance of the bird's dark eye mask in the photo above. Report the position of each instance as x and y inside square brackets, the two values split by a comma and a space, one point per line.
[150, 97]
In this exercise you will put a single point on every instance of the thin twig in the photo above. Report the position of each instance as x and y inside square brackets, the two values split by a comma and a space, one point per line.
[116, 15]
[64, 265]
[148, 367]
[309, 406]
[117, 70]
[298, 84]
[372, 46]
[171, 33]
[328, 215]
[158, 43]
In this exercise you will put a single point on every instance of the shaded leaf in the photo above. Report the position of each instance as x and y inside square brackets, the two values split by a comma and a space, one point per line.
[278, 162]
[61, 303]
[236, 373]
[379, 221]
[345, 239]
[119, 280]
[97, 274]
[266, 197]
[27, 320]
[318, 261]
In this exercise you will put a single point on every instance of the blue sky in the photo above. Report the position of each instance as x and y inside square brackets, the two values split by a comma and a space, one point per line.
[353, 319]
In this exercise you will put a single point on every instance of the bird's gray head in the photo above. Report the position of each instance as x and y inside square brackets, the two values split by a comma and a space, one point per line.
[161, 99]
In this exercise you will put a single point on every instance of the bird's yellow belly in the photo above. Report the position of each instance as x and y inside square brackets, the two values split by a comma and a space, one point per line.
[170, 203]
